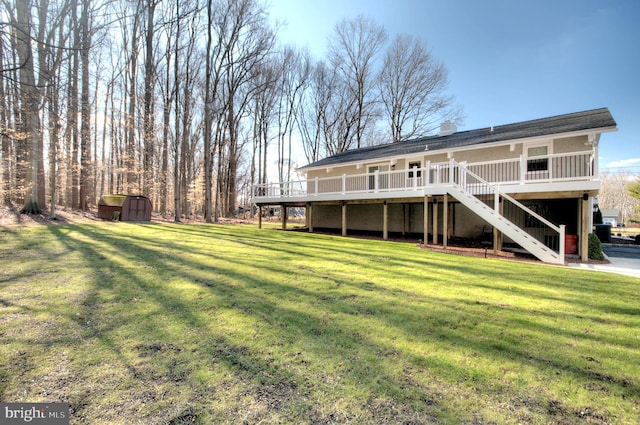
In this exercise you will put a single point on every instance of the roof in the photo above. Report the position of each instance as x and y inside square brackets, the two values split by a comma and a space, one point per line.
[116, 200]
[567, 123]
[112, 200]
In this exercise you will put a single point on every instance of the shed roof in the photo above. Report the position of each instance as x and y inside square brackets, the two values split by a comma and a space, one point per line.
[567, 123]
[112, 200]
[116, 200]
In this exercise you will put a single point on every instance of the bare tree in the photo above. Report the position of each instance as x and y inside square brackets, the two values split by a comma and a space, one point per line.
[633, 189]
[353, 50]
[412, 84]
[250, 44]
[31, 136]
[5, 141]
[615, 193]
[312, 115]
[263, 115]
[294, 74]
[149, 117]
[85, 107]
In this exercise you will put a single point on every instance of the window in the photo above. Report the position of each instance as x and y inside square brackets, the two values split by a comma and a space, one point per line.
[416, 164]
[537, 164]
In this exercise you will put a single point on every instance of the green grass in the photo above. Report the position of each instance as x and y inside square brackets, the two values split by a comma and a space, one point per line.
[171, 324]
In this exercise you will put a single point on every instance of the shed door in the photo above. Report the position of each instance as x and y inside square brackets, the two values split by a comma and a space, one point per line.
[137, 209]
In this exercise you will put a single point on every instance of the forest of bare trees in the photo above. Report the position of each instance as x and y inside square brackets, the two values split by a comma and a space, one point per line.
[190, 102]
[620, 190]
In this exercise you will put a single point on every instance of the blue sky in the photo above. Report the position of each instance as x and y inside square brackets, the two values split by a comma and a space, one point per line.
[510, 61]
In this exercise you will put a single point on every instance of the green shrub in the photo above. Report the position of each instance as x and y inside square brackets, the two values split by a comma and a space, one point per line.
[595, 248]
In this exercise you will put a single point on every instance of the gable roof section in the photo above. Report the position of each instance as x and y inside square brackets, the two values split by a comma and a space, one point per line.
[578, 121]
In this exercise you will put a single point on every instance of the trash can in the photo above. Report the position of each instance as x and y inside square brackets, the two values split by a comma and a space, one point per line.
[603, 232]
[570, 244]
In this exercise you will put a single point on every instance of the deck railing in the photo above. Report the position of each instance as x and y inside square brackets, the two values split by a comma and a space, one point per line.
[522, 170]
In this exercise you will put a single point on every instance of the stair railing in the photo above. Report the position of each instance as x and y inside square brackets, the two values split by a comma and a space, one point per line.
[525, 218]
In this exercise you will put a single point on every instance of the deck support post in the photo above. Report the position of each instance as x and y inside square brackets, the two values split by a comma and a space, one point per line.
[344, 219]
[445, 221]
[309, 217]
[425, 221]
[260, 217]
[385, 221]
[434, 228]
[283, 213]
[497, 234]
[585, 227]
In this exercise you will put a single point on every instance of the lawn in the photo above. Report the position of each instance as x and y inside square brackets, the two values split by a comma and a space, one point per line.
[203, 324]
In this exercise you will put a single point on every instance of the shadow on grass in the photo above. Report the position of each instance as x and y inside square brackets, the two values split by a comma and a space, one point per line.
[285, 327]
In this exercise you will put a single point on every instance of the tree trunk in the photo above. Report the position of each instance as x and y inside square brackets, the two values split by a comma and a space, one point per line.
[176, 141]
[5, 188]
[207, 119]
[129, 154]
[30, 107]
[149, 121]
[85, 109]
[54, 129]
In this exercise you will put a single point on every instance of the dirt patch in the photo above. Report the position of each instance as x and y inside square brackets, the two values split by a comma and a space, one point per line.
[479, 252]
[10, 216]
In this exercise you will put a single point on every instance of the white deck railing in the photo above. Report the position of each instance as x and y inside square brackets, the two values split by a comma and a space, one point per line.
[522, 170]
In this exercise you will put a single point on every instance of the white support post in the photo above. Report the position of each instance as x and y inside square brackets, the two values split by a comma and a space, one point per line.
[496, 200]
[376, 176]
[315, 192]
[463, 174]
[562, 232]
[415, 177]
[344, 183]
[451, 179]
[427, 173]
[425, 223]
[523, 169]
[445, 221]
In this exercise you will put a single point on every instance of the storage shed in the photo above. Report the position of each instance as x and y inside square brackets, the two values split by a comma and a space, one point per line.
[125, 207]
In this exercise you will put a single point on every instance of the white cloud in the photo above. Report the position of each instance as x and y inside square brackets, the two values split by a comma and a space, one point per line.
[624, 163]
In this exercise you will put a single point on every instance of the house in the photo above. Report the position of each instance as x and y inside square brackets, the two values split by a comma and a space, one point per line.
[529, 184]
[610, 216]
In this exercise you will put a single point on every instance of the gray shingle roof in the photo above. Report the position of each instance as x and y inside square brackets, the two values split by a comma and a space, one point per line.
[578, 121]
